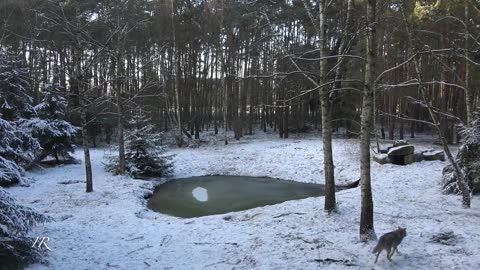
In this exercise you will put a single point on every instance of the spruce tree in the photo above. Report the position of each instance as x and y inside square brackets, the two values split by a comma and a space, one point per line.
[13, 152]
[145, 155]
[18, 148]
[55, 134]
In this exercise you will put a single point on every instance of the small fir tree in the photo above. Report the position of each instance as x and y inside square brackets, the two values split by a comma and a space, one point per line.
[55, 135]
[145, 155]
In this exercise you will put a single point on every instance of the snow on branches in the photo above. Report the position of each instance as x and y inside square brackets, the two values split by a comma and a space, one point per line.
[145, 156]
[54, 134]
[29, 133]
[17, 148]
[468, 158]
[15, 222]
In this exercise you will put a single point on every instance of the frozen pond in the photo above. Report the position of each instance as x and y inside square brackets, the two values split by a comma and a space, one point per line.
[210, 195]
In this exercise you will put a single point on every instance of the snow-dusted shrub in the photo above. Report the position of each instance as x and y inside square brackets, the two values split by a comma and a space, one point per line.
[10, 173]
[145, 156]
[15, 222]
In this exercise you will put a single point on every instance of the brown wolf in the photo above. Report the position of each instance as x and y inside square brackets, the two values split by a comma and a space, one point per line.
[390, 242]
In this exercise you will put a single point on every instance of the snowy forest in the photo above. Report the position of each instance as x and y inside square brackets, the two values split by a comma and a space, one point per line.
[239, 134]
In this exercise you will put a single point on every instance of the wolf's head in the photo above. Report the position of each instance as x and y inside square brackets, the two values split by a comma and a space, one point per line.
[403, 231]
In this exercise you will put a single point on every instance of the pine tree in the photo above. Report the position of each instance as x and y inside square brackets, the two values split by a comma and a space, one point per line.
[145, 156]
[17, 146]
[55, 135]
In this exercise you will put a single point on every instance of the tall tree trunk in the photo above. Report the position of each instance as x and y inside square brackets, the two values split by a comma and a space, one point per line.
[176, 70]
[286, 111]
[401, 133]
[225, 102]
[121, 136]
[83, 114]
[224, 83]
[392, 120]
[413, 113]
[117, 72]
[367, 230]
[79, 82]
[86, 151]
[330, 201]
[468, 92]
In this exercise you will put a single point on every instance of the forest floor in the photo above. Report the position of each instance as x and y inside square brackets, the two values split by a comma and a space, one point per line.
[111, 228]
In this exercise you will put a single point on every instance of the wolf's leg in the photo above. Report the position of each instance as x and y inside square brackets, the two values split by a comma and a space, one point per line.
[389, 253]
[398, 252]
[378, 253]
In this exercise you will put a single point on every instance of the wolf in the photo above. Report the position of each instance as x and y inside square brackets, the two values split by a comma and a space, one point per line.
[390, 242]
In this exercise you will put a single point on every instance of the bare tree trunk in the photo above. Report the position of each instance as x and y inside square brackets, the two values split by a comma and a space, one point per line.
[225, 107]
[330, 201]
[367, 230]
[116, 71]
[84, 123]
[86, 151]
[177, 91]
[392, 120]
[468, 93]
[414, 113]
[401, 134]
[79, 84]
[121, 136]
[286, 112]
[224, 85]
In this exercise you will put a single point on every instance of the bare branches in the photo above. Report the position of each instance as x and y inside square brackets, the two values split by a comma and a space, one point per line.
[461, 180]
[410, 59]
[415, 82]
[278, 74]
[406, 118]
[433, 108]
[328, 57]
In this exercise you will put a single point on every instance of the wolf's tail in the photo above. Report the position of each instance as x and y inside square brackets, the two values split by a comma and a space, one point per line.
[376, 248]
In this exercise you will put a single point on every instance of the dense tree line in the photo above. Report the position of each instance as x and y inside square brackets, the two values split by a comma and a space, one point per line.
[146, 52]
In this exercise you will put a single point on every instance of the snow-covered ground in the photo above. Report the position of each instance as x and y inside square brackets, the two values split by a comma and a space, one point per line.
[111, 228]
